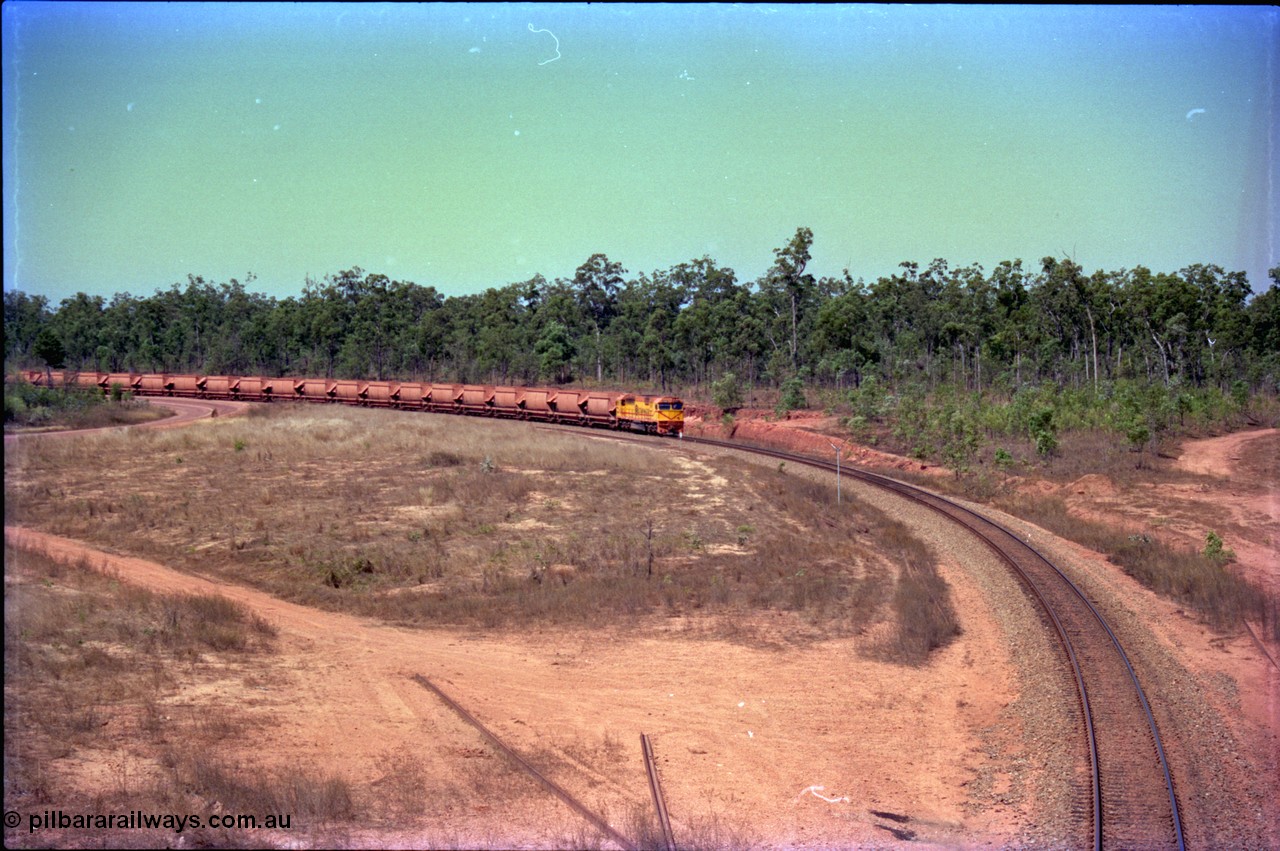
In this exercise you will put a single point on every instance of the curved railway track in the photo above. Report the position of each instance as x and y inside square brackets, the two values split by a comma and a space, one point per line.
[1126, 797]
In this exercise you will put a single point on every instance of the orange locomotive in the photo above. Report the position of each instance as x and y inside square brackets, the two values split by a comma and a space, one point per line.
[662, 415]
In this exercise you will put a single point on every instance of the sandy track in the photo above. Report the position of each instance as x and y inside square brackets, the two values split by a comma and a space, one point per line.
[185, 412]
[1248, 499]
[739, 731]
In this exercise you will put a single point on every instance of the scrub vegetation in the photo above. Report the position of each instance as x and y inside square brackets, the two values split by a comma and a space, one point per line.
[434, 520]
[29, 408]
[1197, 580]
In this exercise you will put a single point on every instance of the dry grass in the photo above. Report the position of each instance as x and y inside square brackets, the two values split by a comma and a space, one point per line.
[1218, 596]
[423, 519]
[92, 669]
[1196, 581]
[36, 409]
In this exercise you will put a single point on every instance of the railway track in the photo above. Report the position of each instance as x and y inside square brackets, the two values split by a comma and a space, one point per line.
[1125, 796]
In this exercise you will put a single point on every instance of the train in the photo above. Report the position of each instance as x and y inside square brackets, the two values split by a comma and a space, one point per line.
[659, 415]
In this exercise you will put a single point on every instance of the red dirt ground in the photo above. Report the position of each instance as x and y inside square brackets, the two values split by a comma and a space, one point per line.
[743, 734]
[801, 431]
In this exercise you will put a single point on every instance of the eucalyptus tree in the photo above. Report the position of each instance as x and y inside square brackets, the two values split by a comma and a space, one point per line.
[325, 315]
[966, 321]
[504, 342]
[907, 318]
[79, 324]
[706, 328]
[555, 351]
[1263, 317]
[789, 292]
[843, 338]
[645, 329]
[1219, 322]
[24, 317]
[596, 284]
[1008, 339]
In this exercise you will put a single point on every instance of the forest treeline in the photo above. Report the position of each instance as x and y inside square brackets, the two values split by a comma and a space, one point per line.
[692, 324]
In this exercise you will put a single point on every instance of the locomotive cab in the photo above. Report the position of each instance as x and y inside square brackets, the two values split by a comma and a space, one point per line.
[669, 415]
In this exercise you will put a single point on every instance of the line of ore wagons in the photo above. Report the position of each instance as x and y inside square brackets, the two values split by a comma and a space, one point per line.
[657, 414]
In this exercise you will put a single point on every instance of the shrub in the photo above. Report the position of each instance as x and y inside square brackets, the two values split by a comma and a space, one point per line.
[1214, 550]
[869, 401]
[792, 396]
[727, 392]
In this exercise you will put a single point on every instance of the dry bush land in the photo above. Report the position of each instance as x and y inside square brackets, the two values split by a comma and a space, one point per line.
[1149, 517]
[105, 708]
[477, 534]
[570, 590]
[86, 415]
[489, 524]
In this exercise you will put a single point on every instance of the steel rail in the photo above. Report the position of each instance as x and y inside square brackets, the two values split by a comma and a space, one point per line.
[655, 787]
[599, 823]
[978, 524]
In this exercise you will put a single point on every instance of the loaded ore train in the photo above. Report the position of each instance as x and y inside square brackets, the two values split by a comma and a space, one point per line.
[663, 415]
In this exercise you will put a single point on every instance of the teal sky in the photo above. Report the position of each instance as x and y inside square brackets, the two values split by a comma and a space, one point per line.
[455, 146]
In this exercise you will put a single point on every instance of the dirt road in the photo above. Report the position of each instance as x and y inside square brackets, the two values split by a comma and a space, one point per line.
[741, 733]
[185, 412]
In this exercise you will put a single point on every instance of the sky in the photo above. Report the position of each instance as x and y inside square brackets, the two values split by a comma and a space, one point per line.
[468, 146]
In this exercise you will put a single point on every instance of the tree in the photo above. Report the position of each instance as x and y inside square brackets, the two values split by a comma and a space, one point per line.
[727, 393]
[792, 396]
[787, 282]
[24, 317]
[597, 282]
[555, 352]
[48, 347]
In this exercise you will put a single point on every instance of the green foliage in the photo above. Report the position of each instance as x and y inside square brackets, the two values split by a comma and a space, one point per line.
[1046, 443]
[869, 400]
[28, 405]
[792, 396]
[727, 392]
[858, 427]
[1240, 393]
[1215, 551]
[1137, 432]
[555, 352]
[912, 425]
[49, 348]
[960, 440]
[1054, 337]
